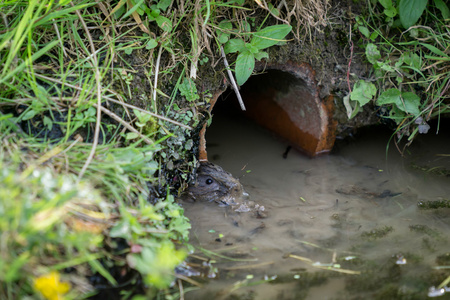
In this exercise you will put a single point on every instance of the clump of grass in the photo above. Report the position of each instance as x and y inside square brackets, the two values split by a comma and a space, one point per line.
[434, 204]
[411, 66]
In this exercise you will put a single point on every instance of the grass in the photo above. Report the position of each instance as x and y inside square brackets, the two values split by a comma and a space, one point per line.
[411, 67]
[99, 103]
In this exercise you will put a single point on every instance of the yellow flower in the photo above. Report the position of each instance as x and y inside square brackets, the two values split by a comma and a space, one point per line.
[51, 287]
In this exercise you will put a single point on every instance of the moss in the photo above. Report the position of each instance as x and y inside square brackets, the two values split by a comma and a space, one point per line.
[377, 233]
[434, 204]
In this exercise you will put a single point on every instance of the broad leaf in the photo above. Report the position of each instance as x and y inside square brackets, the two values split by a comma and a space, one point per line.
[234, 45]
[270, 36]
[245, 63]
[390, 12]
[390, 96]
[386, 3]
[372, 53]
[411, 103]
[364, 31]
[223, 33]
[261, 54]
[410, 11]
[363, 92]
[164, 23]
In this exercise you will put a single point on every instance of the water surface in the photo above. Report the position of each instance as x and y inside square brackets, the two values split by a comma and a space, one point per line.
[355, 211]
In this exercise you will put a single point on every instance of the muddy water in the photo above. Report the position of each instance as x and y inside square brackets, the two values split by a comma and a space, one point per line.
[354, 212]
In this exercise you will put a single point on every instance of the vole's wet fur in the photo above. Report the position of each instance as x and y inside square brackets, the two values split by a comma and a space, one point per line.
[215, 184]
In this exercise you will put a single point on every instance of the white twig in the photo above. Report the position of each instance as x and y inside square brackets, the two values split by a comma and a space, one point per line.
[233, 82]
[156, 77]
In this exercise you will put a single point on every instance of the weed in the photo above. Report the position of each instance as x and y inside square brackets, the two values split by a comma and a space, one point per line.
[410, 67]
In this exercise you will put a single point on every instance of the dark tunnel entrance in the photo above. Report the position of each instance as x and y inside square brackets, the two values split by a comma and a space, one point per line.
[284, 98]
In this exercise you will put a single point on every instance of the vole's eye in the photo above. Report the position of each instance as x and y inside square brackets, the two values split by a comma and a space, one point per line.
[209, 181]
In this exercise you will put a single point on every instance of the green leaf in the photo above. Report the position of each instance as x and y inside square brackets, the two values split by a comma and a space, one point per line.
[374, 35]
[410, 11]
[412, 59]
[151, 44]
[372, 53]
[261, 54]
[386, 67]
[28, 115]
[363, 92]
[223, 38]
[133, 8]
[189, 90]
[386, 3]
[251, 48]
[270, 36]
[163, 4]
[364, 31]
[48, 122]
[411, 103]
[443, 8]
[245, 63]
[273, 10]
[390, 12]
[164, 23]
[234, 45]
[390, 96]
[434, 50]
[223, 33]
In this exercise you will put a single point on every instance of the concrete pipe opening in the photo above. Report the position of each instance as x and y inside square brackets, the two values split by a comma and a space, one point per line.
[284, 98]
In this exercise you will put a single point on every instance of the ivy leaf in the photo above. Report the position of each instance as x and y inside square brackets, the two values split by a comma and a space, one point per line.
[363, 92]
[372, 53]
[270, 36]
[245, 63]
[410, 11]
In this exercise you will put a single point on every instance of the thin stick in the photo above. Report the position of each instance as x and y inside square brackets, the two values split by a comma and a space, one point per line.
[350, 62]
[155, 84]
[233, 82]
[99, 97]
[113, 100]
[180, 287]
